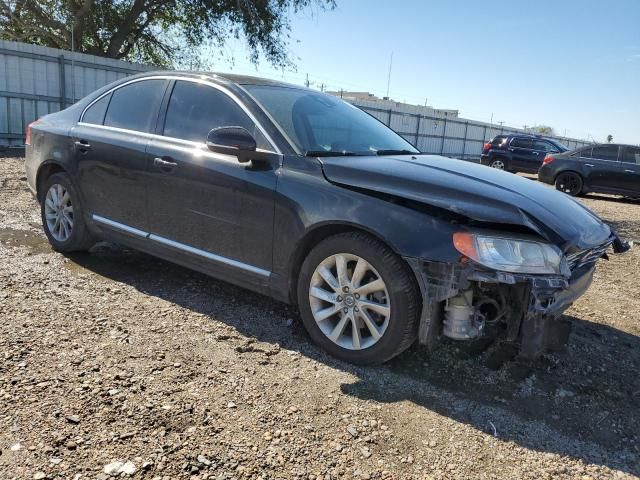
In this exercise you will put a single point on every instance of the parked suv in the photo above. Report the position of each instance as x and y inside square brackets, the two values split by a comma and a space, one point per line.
[519, 153]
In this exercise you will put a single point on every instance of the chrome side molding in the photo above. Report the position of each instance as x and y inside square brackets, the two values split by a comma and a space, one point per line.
[181, 246]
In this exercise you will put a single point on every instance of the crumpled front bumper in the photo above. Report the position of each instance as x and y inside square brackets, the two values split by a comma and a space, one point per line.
[537, 301]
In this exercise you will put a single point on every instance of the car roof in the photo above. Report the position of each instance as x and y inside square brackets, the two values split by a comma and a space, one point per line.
[224, 78]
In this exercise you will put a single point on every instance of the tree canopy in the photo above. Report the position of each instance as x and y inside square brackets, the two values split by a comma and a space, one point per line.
[543, 130]
[161, 32]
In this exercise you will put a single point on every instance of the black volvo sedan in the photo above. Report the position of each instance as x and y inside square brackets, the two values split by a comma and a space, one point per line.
[303, 197]
[606, 168]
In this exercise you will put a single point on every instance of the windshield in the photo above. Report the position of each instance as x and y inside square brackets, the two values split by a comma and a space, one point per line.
[320, 124]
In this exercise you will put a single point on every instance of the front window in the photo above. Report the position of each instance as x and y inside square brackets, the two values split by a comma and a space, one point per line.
[319, 124]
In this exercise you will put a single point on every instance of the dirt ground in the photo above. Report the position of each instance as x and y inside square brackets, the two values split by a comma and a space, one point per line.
[114, 356]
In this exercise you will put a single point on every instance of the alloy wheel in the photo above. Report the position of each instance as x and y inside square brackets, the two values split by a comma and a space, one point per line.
[58, 211]
[498, 164]
[569, 183]
[349, 301]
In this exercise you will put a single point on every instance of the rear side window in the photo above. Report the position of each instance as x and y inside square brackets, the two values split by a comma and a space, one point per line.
[605, 152]
[95, 113]
[195, 109]
[521, 142]
[583, 152]
[498, 140]
[135, 106]
[544, 146]
[631, 155]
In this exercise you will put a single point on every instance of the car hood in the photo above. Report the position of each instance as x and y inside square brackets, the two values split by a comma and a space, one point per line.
[477, 192]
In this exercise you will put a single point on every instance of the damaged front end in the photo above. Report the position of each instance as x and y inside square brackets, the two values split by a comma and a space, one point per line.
[467, 300]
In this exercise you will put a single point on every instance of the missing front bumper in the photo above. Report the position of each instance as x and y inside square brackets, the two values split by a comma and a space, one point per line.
[531, 304]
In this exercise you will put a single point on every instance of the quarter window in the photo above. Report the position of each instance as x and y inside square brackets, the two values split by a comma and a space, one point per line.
[195, 109]
[631, 155]
[605, 152]
[95, 113]
[521, 142]
[135, 106]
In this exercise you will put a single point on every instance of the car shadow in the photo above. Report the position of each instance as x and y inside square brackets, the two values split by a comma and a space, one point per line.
[587, 397]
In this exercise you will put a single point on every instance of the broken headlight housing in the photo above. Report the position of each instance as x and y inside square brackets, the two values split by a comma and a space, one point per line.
[510, 254]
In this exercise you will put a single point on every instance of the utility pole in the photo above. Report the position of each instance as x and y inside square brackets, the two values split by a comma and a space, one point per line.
[389, 76]
[306, 82]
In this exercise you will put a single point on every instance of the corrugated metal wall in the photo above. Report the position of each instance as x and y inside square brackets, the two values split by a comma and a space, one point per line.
[37, 80]
[449, 136]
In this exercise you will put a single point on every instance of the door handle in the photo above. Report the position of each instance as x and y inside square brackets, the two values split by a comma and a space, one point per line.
[588, 165]
[165, 165]
[82, 145]
[535, 153]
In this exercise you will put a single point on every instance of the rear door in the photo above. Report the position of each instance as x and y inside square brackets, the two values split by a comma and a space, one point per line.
[604, 171]
[110, 146]
[630, 163]
[522, 154]
[541, 149]
[205, 204]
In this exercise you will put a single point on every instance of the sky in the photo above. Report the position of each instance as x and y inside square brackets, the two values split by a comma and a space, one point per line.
[570, 64]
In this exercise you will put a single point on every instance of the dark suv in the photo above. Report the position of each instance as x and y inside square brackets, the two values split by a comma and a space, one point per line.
[519, 153]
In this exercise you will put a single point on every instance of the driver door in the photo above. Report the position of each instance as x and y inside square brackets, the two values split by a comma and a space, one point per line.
[203, 204]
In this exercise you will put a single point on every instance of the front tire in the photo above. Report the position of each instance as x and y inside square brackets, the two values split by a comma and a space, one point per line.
[62, 215]
[570, 183]
[358, 300]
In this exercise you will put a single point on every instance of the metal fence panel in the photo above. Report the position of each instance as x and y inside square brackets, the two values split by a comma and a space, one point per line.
[35, 81]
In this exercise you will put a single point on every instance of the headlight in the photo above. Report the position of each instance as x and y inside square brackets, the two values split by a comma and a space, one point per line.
[509, 254]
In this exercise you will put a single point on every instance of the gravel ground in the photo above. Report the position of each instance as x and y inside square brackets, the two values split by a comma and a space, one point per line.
[119, 364]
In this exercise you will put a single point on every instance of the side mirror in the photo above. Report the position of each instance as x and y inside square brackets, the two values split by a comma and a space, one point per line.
[232, 141]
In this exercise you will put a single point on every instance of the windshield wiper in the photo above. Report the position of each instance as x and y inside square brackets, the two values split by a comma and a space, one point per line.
[396, 152]
[330, 153]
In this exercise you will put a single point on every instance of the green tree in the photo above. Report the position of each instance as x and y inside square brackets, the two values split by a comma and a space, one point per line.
[161, 32]
[543, 130]
[609, 138]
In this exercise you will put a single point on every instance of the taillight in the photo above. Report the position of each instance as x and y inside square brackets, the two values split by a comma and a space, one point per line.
[548, 159]
[27, 139]
[486, 148]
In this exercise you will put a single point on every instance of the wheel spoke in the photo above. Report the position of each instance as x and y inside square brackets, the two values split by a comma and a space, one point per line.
[358, 272]
[356, 339]
[380, 308]
[341, 269]
[370, 324]
[50, 216]
[328, 277]
[338, 330]
[68, 221]
[322, 294]
[326, 313]
[374, 286]
[49, 202]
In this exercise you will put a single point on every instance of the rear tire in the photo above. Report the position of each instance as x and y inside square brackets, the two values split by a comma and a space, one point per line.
[570, 183]
[63, 216]
[365, 315]
[498, 163]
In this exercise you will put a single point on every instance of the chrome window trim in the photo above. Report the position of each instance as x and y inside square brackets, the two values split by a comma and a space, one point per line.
[202, 81]
[154, 136]
[181, 246]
